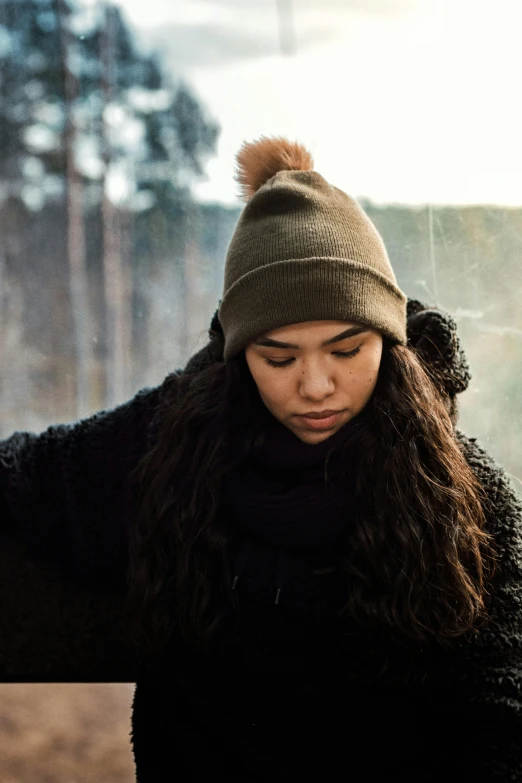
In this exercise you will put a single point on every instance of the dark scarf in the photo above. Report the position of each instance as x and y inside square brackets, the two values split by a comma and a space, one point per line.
[289, 503]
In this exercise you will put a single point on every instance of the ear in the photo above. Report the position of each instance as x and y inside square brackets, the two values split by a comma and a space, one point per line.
[433, 335]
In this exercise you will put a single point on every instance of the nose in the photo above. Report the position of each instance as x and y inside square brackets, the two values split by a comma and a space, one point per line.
[315, 383]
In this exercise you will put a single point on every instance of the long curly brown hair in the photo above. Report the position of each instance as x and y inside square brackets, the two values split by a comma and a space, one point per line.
[418, 560]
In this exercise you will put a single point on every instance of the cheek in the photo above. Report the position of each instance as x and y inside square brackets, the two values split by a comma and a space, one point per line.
[362, 381]
[270, 386]
[257, 369]
[277, 393]
[372, 377]
[274, 391]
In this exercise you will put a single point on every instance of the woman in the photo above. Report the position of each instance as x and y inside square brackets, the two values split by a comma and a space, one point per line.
[321, 576]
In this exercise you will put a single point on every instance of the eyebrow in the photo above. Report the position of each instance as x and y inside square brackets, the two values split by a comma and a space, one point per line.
[267, 342]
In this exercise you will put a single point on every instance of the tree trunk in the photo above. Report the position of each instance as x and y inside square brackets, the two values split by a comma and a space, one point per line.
[75, 225]
[117, 280]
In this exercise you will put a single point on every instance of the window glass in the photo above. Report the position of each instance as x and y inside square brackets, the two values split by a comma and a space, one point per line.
[119, 126]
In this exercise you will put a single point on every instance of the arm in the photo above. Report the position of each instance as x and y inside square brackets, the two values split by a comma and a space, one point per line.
[476, 707]
[65, 503]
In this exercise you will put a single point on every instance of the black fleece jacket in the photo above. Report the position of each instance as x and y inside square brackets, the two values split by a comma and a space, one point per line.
[282, 697]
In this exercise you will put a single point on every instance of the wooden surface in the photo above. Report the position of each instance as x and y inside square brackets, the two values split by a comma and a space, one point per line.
[65, 733]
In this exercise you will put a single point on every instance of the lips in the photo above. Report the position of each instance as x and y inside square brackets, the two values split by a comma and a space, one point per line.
[324, 420]
[321, 415]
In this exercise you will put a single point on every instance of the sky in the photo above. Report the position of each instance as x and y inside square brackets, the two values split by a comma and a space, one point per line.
[399, 101]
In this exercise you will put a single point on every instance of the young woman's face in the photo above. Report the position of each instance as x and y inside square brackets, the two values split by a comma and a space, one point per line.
[326, 369]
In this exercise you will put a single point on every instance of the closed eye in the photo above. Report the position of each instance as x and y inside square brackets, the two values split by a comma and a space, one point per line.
[339, 354]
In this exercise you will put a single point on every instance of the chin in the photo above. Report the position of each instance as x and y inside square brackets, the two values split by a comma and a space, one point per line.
[313, 437]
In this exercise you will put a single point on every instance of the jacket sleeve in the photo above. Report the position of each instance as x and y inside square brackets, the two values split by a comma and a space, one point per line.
[475, 711]
[65, 506]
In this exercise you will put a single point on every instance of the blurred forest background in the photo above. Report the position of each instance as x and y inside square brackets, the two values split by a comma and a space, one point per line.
[110, 272]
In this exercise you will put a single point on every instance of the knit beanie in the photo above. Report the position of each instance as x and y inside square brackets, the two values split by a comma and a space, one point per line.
[302, 250]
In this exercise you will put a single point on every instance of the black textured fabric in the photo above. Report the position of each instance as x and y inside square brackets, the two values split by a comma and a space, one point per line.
[286, 507]
[284, 493]
[66, 503]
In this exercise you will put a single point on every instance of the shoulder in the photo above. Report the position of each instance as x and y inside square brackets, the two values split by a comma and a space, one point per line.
[502, 508]
[496, 482]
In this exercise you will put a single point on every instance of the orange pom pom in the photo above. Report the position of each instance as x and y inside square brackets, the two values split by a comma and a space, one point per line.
[258, 161]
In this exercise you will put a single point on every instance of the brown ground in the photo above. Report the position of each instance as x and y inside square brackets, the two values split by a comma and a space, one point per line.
[65, 733]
